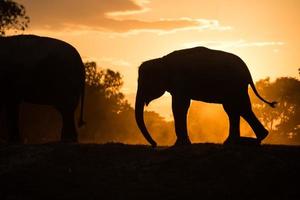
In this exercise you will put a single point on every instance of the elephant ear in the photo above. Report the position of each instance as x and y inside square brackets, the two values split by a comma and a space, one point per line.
[152, 74]
[156, 72]
[163, 74]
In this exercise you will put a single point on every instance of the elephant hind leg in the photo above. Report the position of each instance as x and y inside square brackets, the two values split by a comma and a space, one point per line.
[68, 132]
[180, 107]
[234, 123]
[248, 114]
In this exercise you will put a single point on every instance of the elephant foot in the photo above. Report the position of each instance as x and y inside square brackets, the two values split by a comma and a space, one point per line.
[231, 141]
[262, 135]
[181, 142]
[69, 137]
[69, 140]
[14, 140]
[243, 141]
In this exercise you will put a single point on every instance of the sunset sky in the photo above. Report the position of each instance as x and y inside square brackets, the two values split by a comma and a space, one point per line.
[121, 34]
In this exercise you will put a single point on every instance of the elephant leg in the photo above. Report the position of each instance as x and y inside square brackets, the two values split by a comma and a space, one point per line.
[247, 113]
[68, 132]
[234, 123]
[180, 107]
[12, 113]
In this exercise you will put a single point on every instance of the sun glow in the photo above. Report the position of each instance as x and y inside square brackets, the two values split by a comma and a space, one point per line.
[122, 34]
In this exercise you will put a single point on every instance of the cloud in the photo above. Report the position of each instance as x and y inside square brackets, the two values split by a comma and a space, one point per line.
[106, 16]
[232, 44]
[141, 3]
[115, 62]
[168, 26]
[162, 26]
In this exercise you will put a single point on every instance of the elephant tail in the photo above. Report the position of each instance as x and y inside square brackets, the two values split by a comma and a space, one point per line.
[272, 104]
[81, 121]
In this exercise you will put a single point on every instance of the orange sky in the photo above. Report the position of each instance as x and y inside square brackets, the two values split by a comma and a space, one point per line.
[120, 34]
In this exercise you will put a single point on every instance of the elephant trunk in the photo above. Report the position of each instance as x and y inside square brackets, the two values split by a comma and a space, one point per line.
[139, 116]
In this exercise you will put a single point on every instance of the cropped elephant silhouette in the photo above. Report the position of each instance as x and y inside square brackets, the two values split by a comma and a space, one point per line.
[199, 74]
[41, 70]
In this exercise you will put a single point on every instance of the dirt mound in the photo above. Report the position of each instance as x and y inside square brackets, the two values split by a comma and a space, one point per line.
[117, 171]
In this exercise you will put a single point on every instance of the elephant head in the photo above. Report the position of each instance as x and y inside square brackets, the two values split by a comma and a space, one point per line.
[151, 85]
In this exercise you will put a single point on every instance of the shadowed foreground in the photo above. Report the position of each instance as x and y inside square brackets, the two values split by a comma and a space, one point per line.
[116, 171]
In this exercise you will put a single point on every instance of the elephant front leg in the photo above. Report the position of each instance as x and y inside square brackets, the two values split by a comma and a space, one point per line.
[180, 107]
[234, 124]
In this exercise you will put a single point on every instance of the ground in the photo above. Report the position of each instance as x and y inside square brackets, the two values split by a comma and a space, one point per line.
[118, 171]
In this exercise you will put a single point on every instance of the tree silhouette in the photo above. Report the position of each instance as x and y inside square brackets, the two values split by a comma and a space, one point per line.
[107, 83]
[284, 121]
[12, 16]
[108, 114]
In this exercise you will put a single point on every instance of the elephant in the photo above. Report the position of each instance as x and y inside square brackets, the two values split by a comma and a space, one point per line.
[200, 74]
[45, 71]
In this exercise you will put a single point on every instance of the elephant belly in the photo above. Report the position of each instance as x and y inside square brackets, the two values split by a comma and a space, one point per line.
[209, 97]
[217, 93]
[47, 91]
[51, 95]
[49, 98]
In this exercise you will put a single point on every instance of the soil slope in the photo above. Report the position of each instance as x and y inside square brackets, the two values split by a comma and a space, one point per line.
[117, 171]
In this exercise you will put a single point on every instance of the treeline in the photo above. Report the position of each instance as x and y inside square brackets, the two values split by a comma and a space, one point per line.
[110, 118]
[283, 121]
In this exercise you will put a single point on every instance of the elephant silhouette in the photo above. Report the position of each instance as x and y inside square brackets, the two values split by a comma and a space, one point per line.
[41, 70]
[202, 74]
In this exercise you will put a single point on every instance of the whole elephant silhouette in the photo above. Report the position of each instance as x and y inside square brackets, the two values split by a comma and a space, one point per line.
[199, 74]
[41, 70]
